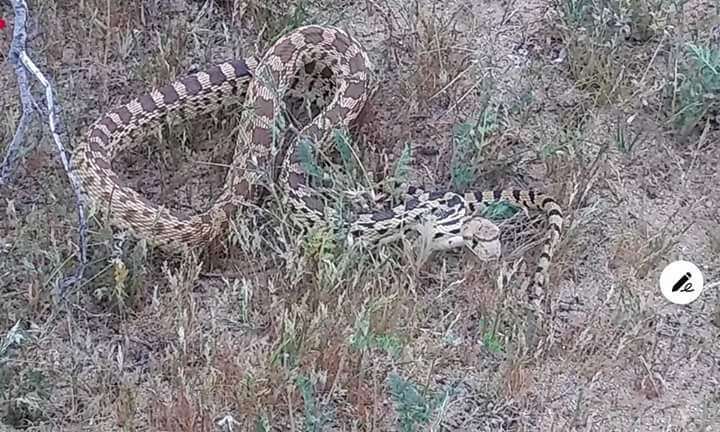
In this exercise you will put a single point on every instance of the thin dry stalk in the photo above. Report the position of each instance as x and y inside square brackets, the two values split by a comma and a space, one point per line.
[22, 63]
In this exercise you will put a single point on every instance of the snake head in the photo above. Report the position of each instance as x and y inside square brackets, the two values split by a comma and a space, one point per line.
[482, 237]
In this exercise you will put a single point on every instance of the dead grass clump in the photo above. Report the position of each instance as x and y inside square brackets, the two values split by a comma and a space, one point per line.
[270, 19]
[599, 36]
[439, 57]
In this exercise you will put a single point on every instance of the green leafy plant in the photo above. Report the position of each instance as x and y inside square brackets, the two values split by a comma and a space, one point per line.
[363, 338]
[469, 139]
[698, 94]
[413, 405]
[314, 418]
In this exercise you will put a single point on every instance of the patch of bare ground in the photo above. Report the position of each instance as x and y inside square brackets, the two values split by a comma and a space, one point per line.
[610, 106]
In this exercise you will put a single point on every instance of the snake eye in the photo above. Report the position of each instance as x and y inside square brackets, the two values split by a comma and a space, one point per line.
[353, 235]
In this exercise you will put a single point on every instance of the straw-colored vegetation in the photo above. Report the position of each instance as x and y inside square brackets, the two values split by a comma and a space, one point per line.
[612, 106]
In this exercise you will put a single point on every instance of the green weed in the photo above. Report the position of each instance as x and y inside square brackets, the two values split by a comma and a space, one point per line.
[469, 140]
[364, 339]
[413, 405]
[698, 92]
[314, 418]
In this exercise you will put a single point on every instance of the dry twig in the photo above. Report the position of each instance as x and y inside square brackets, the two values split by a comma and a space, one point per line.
[22, 63]
[17, 46]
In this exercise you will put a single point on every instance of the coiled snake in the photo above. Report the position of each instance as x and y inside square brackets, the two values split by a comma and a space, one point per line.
[324, 52]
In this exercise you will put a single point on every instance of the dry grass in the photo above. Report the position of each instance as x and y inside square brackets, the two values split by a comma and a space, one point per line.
[610, 105]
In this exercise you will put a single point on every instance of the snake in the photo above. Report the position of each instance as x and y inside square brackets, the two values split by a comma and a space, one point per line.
[311, 59]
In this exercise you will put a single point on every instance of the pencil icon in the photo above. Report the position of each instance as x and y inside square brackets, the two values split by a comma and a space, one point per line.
[681, 282]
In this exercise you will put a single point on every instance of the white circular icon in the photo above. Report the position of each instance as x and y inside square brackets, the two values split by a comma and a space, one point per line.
[681, 282]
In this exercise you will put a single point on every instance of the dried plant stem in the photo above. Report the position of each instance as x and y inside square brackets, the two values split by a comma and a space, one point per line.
[23, 64]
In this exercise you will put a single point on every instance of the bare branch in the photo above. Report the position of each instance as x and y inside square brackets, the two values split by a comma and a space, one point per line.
[22, 64]
[17, 46]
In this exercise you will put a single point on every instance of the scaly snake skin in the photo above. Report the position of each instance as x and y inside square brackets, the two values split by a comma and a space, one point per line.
[328, 52]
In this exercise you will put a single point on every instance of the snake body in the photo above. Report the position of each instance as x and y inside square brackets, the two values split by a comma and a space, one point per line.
[260, 158]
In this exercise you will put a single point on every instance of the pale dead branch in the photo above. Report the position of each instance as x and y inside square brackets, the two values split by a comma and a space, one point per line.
[23, 64]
